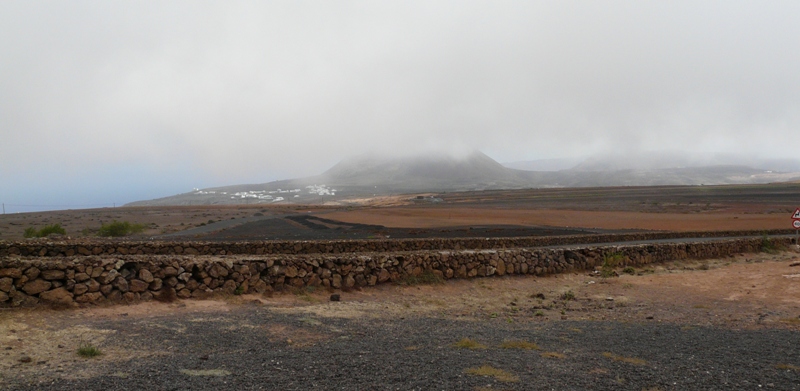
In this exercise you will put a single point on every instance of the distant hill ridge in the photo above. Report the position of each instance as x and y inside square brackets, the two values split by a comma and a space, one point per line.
[370, 175]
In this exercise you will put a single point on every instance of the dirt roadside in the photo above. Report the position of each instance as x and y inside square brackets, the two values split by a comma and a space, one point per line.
[748, 291]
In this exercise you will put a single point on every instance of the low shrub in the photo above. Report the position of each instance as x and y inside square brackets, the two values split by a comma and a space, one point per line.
[611, 261]
[88, 350]
[48, 230]
[768, 246]
[568, 295]
[31, 232]
[629, 270]
[119, 228]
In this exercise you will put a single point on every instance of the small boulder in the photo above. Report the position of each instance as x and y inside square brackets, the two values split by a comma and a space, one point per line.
[6, 283]
[11, 272]
[53, 274]
[36, 286]
[138, 286]
[145, 275]
[57, 296]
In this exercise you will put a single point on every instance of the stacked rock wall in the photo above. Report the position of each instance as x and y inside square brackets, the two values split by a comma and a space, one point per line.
[102, 277]
[69, 248]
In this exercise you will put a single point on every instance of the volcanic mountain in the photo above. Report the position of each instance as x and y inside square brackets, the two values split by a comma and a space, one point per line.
[371, 175]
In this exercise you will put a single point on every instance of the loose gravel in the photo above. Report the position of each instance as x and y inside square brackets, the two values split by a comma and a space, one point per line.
[256, 347]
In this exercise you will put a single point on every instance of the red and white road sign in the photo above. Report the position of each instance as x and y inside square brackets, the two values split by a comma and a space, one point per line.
[796, 224]
[796, 214]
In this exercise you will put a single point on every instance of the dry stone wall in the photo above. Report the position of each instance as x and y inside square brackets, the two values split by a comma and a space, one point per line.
[69, 248]
[102, 277]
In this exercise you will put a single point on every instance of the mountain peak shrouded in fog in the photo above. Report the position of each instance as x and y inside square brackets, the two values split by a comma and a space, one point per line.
[472, 167]
[376, 174]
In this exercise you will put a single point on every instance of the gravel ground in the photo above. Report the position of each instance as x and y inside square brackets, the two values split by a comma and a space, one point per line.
[255, 347]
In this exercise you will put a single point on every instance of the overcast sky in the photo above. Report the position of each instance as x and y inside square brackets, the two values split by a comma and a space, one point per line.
[116, 101]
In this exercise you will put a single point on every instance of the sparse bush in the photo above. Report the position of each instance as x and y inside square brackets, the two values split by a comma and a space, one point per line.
[30, 232]
[568, 295]
[119, 228]
[629, 270]
[88, 350]
[44, 232]
[768, 246]
[611, 261]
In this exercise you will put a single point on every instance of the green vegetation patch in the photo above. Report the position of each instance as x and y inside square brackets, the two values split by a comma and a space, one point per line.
[568, 295]
[88, 350]
[769, 246]
[119, 228]
[611, 261]
[48, 230]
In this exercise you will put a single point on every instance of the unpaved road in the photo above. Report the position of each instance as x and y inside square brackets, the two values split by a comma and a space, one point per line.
[718, 325]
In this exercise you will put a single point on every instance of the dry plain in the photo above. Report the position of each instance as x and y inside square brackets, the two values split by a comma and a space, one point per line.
[728, 323]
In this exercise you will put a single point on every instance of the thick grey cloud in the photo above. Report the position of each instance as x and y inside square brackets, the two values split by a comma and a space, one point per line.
[214, 93]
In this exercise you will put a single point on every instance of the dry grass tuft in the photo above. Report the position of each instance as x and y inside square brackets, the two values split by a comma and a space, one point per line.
[519, 345]
[205, 372]
[499, 374]
[553, 355]
[629, 360]
[467, 343]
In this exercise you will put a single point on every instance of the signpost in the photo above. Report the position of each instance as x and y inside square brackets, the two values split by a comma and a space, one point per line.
[796, 225]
